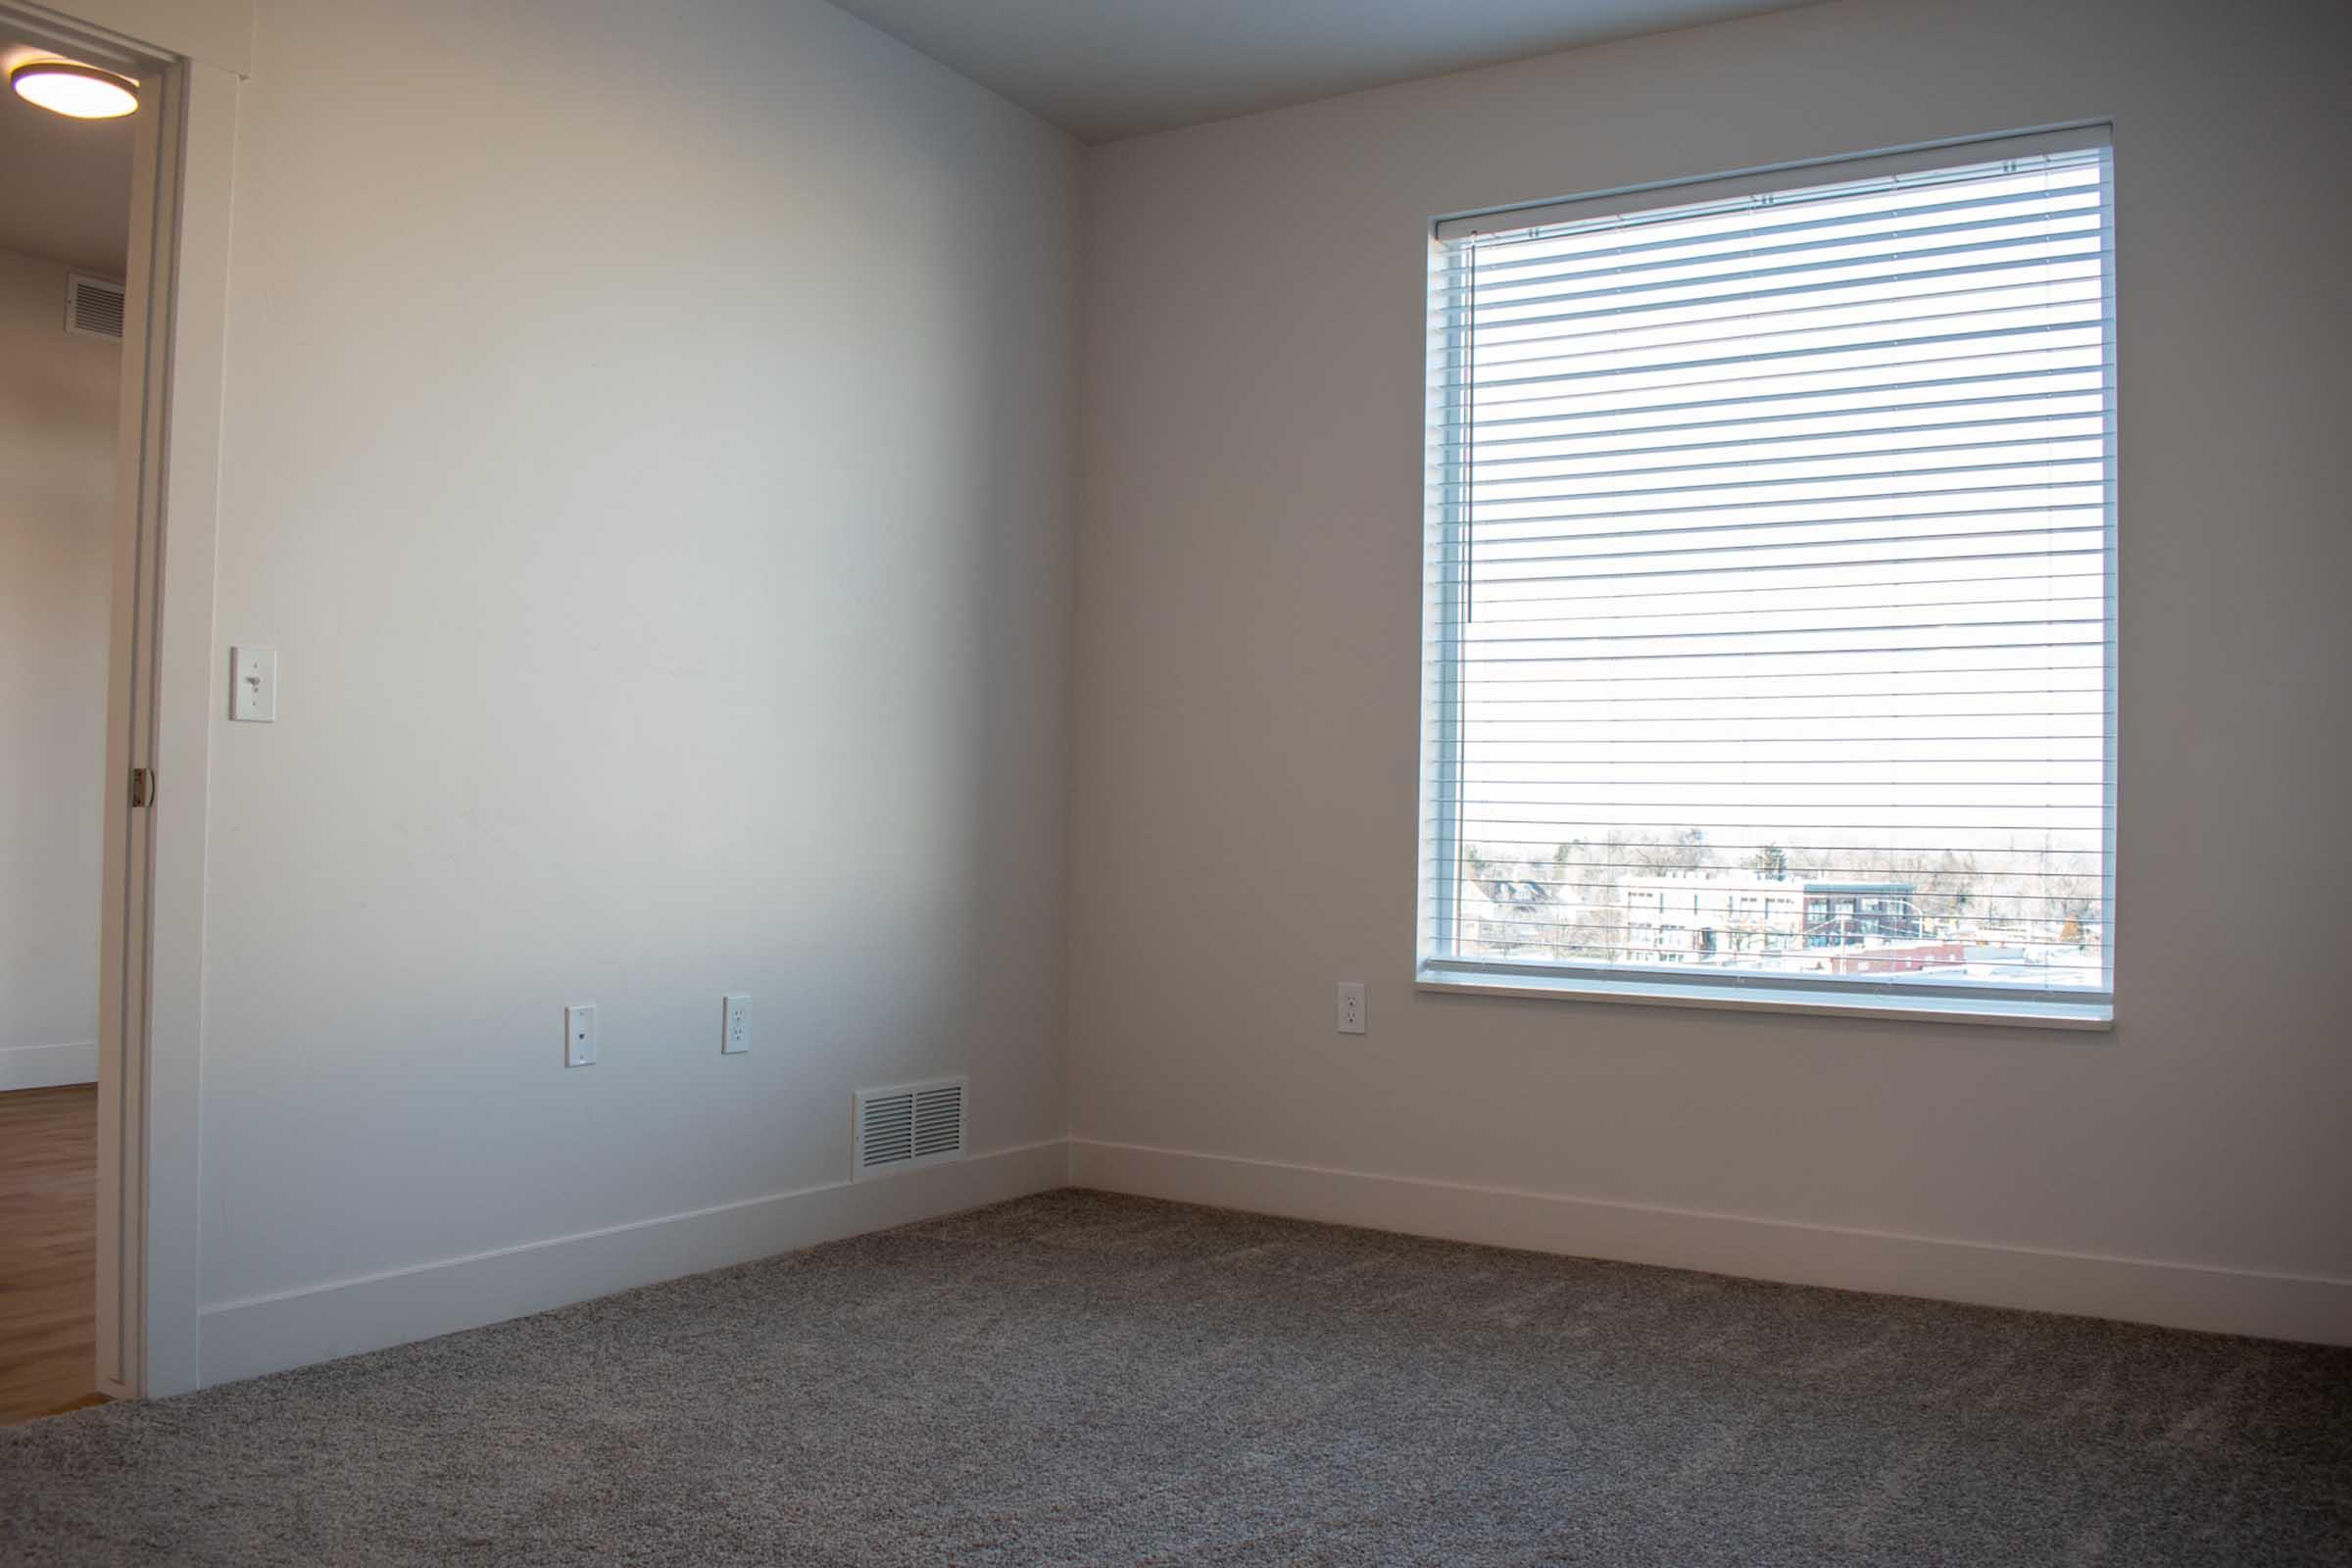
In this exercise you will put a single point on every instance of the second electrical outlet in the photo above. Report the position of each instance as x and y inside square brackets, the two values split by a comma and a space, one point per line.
[735, 1027]
[579, 1035]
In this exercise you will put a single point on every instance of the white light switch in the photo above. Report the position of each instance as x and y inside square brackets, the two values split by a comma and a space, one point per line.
[253, 685]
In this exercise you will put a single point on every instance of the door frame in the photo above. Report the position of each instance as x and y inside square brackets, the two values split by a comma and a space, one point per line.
[161, 689]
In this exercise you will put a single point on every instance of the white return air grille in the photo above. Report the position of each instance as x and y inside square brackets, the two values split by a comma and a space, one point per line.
[910, 1125]
[93, 307]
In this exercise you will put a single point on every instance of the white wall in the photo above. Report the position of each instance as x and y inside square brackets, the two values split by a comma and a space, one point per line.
[648, 446]
[57, 486]
[1247, 693]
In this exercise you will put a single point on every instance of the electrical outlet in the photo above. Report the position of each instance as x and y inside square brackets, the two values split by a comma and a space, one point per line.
[1351, 1007]
[735, 1026]
[579, 1036]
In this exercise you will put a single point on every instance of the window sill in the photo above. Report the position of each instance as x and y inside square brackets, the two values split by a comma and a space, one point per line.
[2027, 1013]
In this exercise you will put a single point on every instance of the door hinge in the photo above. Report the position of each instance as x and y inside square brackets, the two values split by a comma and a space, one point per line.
[142, 786]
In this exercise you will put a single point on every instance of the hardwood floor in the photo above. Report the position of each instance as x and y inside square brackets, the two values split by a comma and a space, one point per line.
[48, 1255]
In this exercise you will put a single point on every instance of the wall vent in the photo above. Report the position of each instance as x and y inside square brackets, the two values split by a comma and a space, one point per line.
[93, 307]
[910, 1125]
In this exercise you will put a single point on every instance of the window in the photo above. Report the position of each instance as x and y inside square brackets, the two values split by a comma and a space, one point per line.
[1769, 589]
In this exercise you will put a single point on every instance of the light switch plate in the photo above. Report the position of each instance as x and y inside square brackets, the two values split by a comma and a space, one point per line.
[253, 684]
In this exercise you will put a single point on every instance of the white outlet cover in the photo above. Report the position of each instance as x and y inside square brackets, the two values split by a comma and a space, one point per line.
[1351, 1019]
[735, 1025]
[579, 1035]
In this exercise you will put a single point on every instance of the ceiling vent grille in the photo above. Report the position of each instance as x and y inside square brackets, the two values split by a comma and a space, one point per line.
[910, 1125]
[93, 307]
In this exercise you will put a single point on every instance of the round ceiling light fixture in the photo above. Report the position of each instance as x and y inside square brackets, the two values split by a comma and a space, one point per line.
[83, 91]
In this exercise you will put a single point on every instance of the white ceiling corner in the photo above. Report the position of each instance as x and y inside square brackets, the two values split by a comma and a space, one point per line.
[1103, 69]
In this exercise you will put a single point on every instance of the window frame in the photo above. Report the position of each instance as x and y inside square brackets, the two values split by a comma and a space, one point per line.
[1449, 555]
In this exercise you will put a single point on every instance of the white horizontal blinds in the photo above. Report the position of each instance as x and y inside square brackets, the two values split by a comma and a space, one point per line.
[1770, 584]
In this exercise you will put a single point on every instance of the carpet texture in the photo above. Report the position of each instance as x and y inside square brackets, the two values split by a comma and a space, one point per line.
[1085, 1378]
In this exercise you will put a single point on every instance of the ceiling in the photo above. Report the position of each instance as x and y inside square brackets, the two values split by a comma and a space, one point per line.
[1099, 69]
[68, 181]
[1105, 68]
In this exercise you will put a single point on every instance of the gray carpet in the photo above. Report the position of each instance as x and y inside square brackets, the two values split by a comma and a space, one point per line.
[1079, 1378]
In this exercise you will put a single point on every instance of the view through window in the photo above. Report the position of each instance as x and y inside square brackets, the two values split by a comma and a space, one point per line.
[1770, 585]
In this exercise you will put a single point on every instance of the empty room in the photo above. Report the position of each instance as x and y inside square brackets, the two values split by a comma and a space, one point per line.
[1141, 781]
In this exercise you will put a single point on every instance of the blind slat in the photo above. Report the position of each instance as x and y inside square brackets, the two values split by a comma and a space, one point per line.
[2054, 283]
[1861, 287]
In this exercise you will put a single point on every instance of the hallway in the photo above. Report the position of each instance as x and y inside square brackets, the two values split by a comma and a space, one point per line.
[48, 1210]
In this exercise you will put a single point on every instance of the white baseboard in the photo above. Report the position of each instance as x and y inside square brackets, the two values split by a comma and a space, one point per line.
[48, 1066]
[2188, 1296]
[295, 1327]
